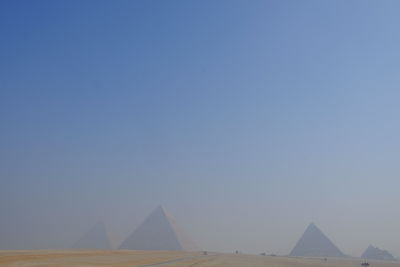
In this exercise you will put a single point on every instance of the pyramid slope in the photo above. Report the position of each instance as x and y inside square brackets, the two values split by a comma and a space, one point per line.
[158, 232]
[95, 238]
[314, 243]
[374, 253]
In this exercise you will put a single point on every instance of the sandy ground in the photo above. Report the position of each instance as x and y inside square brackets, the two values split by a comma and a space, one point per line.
[165, 259]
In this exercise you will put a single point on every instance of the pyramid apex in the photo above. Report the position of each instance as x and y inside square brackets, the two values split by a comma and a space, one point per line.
[312, 225]
[160, 209]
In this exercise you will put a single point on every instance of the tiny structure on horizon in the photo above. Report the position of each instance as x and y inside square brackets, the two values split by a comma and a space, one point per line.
[374, 253]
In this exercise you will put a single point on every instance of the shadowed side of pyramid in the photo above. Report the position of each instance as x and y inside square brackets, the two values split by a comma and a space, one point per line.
[314, 243]
[95, 238]
[158, 232]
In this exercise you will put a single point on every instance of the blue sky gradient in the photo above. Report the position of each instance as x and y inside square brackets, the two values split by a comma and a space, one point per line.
[247, 120]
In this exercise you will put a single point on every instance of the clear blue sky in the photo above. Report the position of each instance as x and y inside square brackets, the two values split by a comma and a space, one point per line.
[246, 119]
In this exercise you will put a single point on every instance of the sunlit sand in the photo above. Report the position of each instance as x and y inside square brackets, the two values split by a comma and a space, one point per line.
[72, 258]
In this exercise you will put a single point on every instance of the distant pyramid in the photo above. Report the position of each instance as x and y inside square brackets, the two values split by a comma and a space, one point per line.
[314, 243]
[158, 232]
[95, 238]
[374, 253]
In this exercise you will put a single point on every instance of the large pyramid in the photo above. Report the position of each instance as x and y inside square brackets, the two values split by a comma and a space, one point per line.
[314, 243]
[374, 253]
[95, 238]
[158, 232]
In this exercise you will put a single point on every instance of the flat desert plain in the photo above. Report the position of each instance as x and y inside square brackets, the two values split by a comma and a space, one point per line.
[122, 258]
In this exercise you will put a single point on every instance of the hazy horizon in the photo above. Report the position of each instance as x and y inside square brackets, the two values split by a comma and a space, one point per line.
[246, 120]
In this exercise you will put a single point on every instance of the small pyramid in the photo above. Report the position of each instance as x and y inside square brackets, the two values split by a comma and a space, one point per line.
[374, 253]
[314, 243]
[95, 238]
[158, 232]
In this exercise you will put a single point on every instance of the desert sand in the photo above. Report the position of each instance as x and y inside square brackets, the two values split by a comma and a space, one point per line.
[77, 258]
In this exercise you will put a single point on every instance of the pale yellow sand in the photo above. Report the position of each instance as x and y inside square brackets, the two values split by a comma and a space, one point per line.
[52, 258]
[176, 259]
[231, 260]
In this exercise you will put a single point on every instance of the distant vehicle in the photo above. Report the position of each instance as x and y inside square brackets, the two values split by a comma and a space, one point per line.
[364, 264]
[263, 254]
[205, 253]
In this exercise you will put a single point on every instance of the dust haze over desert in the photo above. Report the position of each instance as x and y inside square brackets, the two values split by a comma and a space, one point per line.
[187, 126]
